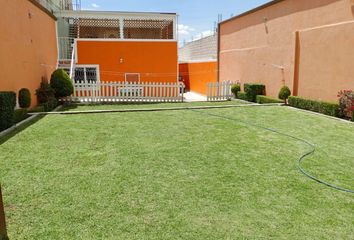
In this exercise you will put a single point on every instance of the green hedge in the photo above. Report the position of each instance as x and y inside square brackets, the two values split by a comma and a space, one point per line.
[235, 88]
[50, 105]
[252, 90]
[7, 107]
[327, 108]
[3, 237]
[61, 83]
[242, 96]
[37, 109]
[24, 98]
[20, 115]
[261, 99]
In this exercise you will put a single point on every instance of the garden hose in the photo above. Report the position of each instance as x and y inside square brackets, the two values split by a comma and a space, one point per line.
[299, 161]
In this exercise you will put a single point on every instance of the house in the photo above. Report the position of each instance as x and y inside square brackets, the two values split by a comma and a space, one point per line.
[198, 64]
[306, 45]
[91, 45]
[118, 46]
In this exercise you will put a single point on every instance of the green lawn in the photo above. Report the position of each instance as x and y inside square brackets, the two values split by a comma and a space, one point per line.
[178, 175]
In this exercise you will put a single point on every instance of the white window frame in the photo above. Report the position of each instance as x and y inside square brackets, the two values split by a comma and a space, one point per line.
[85, 66]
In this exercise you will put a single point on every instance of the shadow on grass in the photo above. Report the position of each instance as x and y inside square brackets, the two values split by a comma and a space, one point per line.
[20, 129]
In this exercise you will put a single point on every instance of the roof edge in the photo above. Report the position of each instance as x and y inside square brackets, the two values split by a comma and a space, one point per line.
[118, 12]
[49, 13]
[271, 3]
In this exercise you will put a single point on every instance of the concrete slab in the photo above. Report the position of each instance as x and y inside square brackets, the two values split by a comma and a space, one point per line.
[194, 97]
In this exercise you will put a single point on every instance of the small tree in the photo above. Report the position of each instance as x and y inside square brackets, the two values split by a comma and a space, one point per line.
[24, 98]
[44, 92]
[284, 94]
[61, 83]
[235, 88]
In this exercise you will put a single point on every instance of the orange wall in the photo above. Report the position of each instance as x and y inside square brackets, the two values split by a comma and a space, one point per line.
[198, 75]
[155, 61]
[28, 46]
[317, 63]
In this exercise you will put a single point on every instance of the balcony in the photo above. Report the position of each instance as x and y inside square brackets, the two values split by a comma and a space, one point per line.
[118, 26]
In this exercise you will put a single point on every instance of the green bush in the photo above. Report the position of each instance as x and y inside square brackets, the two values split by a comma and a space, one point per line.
[50, 105]
[235, 88]
[261, 99]
[254, 89]
[284, 93]
[37, 109]
[24, 98]
[4, 237]
[20, 115]
[7, 108]
[44, 92]
[242, 96]
[327, 108]
[61, 83]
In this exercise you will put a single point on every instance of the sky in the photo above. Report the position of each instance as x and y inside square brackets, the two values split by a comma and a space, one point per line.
[196, 18]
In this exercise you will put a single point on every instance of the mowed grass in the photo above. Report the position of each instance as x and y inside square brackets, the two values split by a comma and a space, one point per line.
[178, 175]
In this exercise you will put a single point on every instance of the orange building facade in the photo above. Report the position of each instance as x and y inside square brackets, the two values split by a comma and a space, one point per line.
[28, 45]
[118, 46]
[132, 61]
[306, 45]
[196, 75]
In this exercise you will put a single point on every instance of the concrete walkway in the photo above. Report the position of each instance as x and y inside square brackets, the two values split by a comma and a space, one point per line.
[194, 97]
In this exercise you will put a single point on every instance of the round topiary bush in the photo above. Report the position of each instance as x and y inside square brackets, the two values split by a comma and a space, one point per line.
[61, 83]
[235, 88]
[284, 93]
[24, 98]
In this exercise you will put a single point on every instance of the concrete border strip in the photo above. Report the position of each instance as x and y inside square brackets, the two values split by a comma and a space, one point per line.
[153, 109]
[17, 125]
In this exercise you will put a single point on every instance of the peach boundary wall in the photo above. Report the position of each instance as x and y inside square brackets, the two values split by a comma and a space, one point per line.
[305, 45]
[28, 46]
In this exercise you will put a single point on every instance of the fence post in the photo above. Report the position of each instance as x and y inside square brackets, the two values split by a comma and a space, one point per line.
[3, 232]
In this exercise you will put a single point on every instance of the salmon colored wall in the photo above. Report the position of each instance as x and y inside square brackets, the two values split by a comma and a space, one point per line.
[326, 61]
[255, 47]
[198, 75]
[155, 61]
[28, 46]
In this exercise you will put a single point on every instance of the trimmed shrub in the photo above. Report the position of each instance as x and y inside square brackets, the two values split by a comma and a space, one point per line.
[61, 83]
[242, 96]
[254, 89]
[7, 108]
[235, 88]
[50, 105]
[261, 99]
[37, 109]
[327, 108]
[44, 92]
[284, 93]
[3, 237]
[24, 98]
[20, 115]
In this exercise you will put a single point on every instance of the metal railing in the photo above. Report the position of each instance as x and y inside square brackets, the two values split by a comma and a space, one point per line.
[58, 5]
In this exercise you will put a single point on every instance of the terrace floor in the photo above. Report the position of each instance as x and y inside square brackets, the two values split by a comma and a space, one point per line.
[205, 174]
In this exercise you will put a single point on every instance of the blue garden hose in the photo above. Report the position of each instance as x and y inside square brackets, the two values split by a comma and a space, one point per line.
[299, 161]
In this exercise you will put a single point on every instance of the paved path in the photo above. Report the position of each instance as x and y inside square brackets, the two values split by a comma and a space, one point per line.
[194, 97]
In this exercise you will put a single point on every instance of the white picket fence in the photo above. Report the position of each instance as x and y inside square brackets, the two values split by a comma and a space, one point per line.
[219, 91]
[127, 92]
